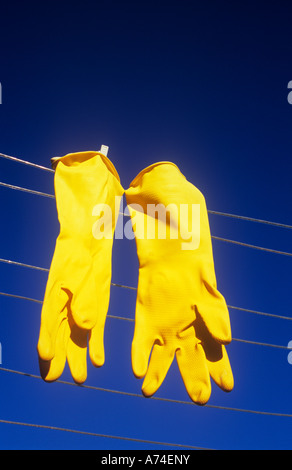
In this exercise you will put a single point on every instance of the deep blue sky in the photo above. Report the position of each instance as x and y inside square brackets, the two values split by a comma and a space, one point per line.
[200, 83]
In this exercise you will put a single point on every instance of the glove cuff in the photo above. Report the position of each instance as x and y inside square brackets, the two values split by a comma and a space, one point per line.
[73, 158]
[150, 168]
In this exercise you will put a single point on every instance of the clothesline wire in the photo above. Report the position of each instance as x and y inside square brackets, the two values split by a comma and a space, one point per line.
[25, 162]
[250, 219]
[235, 242]
[224, 214]
[137, 395]
[95, 434]
[248, 245]
[117, 317]
[29, 266]
[272, 315]
[26, 190]
[256, 312]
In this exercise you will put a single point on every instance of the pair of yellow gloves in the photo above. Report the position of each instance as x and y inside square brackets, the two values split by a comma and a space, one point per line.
[179, 311]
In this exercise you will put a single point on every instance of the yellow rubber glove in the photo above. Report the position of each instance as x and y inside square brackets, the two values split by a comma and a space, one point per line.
[179, 311]
[88, 194]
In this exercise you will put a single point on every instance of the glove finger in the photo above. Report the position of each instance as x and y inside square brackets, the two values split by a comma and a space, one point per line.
[160, 361]
[96, 346]
[216, 356]
[84, 306]
[53, 313]
[53, 369]
[214, 312]
[140, 352]
[193, 367]
[96, 338]
[77, 353]
[219, 365]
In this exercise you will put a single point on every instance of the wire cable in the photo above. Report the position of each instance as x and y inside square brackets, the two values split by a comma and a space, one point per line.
[270, 250]
[227, 240]
[16, 263]
[2, 260]
[19, 160]
[124, 287]
[155, 398]
[95, 434]
[21, 297]
[256, 312]
[247, 341]
[250, 219]
[224, 214]
[26, 190]
[4, 294]
[279, 346]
